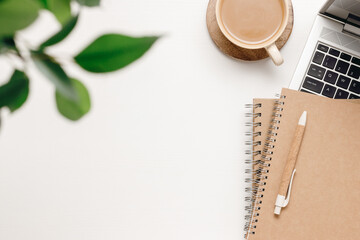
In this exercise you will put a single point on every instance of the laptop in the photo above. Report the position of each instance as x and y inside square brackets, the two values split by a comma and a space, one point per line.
[330, 63]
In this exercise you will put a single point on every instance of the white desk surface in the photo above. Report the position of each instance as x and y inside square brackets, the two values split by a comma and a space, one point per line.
[160, 156]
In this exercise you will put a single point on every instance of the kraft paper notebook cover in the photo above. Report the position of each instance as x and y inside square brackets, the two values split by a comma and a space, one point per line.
[325, 199]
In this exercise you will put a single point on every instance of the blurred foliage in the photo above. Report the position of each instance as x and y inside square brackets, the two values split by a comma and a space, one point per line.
[14, 93]
[113, 51]
[109, 52]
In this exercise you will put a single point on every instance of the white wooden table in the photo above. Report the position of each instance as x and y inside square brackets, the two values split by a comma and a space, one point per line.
[160, 156]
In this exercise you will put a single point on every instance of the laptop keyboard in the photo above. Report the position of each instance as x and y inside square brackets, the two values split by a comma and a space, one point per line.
[333, 73]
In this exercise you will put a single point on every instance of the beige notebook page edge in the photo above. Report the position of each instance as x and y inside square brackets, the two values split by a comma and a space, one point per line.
[325, 201]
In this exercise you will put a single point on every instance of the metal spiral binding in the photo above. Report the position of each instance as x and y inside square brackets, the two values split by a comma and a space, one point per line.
[253, 163]
[259, 174]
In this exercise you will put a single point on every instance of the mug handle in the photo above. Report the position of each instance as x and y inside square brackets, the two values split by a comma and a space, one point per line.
[275, 54]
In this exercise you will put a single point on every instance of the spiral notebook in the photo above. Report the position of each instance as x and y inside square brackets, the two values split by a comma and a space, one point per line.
[325, 199]
[260, 120]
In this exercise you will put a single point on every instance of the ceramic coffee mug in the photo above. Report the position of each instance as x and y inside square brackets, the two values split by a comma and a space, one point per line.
[254, 24]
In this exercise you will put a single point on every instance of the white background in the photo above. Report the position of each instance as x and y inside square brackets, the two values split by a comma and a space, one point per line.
[160, 155]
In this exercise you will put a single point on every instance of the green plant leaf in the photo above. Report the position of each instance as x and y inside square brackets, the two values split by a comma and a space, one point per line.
[111, 52]
[53, 71]
[16, 15]
[74, 110]
[61, 9]
[43, 3]
[8, 43]
[62, 34]
[14, 93]
[89, 3]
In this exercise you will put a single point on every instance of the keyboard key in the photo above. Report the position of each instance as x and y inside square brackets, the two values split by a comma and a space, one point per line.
[334, 52]
[355, 86]
[313, 85]
[342, 67]
[340, 94]
[316, 71]
[331, 77]
[345, 56]
[343, 82]
[329, 62]
[329, 91]
[318, 57]
[323, 48]
[356, 60]
[352, 96]
[354, 72]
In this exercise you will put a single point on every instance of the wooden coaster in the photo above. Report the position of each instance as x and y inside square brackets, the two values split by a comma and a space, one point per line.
[234, 51]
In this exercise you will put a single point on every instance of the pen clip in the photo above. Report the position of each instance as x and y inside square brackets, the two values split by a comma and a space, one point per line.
[282, 201]
[287, 199]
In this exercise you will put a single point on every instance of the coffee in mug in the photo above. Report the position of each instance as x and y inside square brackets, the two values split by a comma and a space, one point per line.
[252, 21]
[253, 24]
